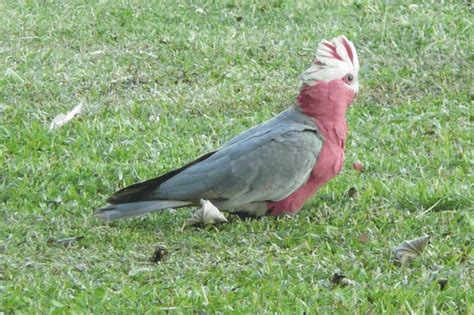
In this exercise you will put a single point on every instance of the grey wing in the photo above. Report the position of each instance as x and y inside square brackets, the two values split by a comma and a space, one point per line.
[269, 167]
[288, 119]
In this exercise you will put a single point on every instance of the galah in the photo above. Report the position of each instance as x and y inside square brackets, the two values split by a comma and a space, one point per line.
[272, 168]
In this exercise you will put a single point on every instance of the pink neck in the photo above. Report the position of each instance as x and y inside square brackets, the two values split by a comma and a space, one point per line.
[333, 131]
[325, 101]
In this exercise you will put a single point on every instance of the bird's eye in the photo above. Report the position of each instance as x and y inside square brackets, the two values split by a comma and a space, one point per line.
[350, 77]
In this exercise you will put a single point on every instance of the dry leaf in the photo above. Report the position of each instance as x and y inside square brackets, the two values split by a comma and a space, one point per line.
[351, 193]
[341, 280]
[442, 284]
[363, 238]
[159, 253]
[358, 166]
[65, 241]
[139, 270]
[411, 249]
[207, 214]
[63, 119]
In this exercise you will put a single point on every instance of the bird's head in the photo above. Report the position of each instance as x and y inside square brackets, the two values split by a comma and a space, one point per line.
[331, 82]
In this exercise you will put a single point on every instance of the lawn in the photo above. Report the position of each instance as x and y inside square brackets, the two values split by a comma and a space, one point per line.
[165, 81]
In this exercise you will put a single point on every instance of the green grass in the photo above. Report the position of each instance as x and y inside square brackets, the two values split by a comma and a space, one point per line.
[165, 82]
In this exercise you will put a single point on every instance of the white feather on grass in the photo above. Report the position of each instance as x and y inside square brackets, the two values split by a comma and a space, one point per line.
[63, 119]
[206, 215]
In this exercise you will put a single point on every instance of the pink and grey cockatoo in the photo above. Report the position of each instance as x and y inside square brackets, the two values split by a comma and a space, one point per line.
[272, 168]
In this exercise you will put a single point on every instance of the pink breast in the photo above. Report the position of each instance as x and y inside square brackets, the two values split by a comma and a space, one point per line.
[328, 165]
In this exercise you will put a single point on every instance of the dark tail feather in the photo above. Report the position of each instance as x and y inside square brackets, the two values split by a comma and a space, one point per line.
[147, 190]
[125, 210]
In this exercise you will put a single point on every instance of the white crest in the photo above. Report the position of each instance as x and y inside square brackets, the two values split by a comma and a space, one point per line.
[334, 60]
